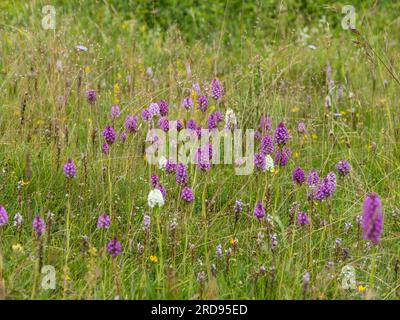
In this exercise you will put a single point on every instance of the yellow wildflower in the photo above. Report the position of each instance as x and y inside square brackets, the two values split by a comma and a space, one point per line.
[154, 259]
[87, 69]
[361, 288]
[18, 248]
[92, 251]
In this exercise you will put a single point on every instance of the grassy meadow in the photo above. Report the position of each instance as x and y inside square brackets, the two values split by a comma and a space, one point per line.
[293, 62]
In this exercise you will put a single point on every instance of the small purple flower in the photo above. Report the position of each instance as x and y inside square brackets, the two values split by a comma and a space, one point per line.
[70, 169]
[182, 176]
[187, 194]
[282, 156]
[265, 123]
[301, 128]
[238, 207]
[131, 124]
[154, 109]
[212, 122]
[299, 176]
[187, 103]
[216, 89]
[302, 219]
[267, 145]
[179, 125]
[259, 211]
[257, 135]
[196, 88]
[114, 247]
[103, 222]
[327, 187]
[163, 124]
[170, 166]
[202, 159]
[163, 107]
[313, 178]
[105, 148]
[91, 96]
[281, 135]
[154, 180]
[343, 167]
[191, 125]
[260, 161]
[39, 226]
[109, 134]
[3, 216]
[122, 136]
[115, 112]
[203, 103]
[146, 114]
[372, 218]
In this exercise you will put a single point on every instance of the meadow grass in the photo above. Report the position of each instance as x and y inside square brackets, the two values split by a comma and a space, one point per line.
[45, 119]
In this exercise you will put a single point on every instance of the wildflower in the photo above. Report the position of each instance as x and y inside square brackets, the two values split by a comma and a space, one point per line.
[274, 241]
[313, 178]
[154, 198]
[18, 220]
[203, 103]
[91, 96]
[103, 221]
[122, 136]
[267, 145]
[18, 248]
[281, 135]
[182, 176]
[282, 156]
[361, 288]
[140, 248]
[299, 176]
[154, 180]
[265, 123]
[343, 167]
[259, 211]
[372, 218]
[327, 187]
[328, 102]
[302, 219]
[358, 220]
[163, 105]
[153, 259]
[39, 226]
[187, 103]
[115, 112]
[3, 216]
[191, 124]
[234, 241]
[131, 124]
[179, 125]
[163, 124]
[114, 247]
[216, 89]
[212, 121]
[201, 276]
[154, 109]
[105, 148]
[260, 161]
[187, 194]
[146, 223]
[70, 169]
[109, 134]
[170, 166]
[301, 128]
[146, 114]
[218, 251]
[202, 159]
[238, 207]
[230, 120]
[196, 88]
